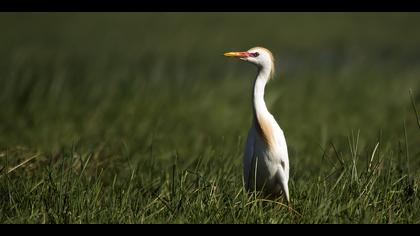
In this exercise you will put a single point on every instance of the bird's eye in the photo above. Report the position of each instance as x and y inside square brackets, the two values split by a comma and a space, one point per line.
[255, 54]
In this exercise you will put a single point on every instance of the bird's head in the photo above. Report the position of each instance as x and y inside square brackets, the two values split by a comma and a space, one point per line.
[259, 56]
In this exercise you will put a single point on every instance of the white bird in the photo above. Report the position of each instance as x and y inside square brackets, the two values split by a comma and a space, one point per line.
[265, 161]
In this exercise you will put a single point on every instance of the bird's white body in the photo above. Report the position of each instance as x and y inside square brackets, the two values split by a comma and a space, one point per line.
[265, 161]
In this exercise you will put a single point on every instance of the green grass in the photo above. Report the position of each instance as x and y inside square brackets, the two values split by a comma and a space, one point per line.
[138, 118]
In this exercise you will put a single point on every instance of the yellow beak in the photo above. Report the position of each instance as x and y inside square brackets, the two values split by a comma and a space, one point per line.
[236, 54]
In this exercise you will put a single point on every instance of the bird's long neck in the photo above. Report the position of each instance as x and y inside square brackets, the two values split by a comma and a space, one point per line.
[260, 110]
[258, 94]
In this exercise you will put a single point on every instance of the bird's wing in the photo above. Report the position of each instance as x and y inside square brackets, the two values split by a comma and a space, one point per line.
[248, 158]
[283, 152]
[282, 155]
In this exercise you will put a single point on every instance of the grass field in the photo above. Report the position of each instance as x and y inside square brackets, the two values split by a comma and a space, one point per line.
[138, 118]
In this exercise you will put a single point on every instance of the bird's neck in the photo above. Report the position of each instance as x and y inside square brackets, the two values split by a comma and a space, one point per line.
[259, 107]
[261, 113]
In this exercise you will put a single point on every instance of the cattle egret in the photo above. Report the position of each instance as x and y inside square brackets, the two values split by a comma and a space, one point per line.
[265, 161]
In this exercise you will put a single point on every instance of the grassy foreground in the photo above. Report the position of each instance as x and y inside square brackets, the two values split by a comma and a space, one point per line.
[138, 118]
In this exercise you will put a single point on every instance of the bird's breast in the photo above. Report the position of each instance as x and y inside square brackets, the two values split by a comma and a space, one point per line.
[267, 130]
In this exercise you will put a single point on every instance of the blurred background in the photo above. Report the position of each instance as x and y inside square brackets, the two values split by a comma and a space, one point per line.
[135, 82]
